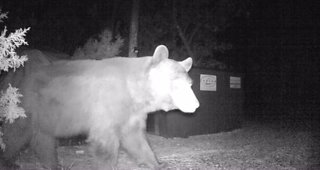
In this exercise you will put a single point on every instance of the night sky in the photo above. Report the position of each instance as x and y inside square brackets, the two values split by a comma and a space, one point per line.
[275, 43]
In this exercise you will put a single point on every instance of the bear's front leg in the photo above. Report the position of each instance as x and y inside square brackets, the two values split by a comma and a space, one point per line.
[105, 148]
[135, 143]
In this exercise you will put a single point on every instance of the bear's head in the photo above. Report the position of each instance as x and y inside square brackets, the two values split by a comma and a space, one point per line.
[170, 82]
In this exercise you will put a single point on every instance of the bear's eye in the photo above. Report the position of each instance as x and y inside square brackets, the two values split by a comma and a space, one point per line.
[182, 82]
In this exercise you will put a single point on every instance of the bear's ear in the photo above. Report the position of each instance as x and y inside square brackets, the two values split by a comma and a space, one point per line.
[160, 54]
[186, 64]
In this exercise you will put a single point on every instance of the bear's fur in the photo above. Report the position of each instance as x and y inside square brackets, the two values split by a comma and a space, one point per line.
[106, 99]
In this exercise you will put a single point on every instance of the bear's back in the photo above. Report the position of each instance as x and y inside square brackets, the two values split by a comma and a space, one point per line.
[70, 92]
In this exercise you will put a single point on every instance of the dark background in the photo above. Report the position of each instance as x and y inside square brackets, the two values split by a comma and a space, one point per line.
[273, 43]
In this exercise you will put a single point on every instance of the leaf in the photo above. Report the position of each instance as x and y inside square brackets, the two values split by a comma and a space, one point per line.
[9, 109]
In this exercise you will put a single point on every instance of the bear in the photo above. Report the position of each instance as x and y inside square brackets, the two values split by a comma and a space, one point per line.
[108, 100]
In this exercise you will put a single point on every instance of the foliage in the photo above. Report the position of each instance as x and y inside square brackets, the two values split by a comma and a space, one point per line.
[210, 27]
[99, 48]
[202, 23]
[3, 16]
[8, 44]
[9, 100]
[9, 109]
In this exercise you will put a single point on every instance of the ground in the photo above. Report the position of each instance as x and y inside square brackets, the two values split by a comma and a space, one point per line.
[254, 146]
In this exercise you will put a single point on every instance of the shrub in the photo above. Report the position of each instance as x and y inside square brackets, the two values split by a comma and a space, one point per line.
[9, 109]
[98, 48]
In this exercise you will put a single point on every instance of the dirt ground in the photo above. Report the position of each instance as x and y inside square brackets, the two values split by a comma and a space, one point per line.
[251, 147]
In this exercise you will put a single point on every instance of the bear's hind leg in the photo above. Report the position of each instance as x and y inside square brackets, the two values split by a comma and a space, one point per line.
[16, 136]
[45, 146]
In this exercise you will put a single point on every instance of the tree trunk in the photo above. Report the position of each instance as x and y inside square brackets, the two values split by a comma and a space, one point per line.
[180, 32]
[114, 18]
[133, 37]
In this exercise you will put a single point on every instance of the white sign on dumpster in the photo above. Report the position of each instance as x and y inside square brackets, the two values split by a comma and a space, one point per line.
[235, 82]
[208, 82]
